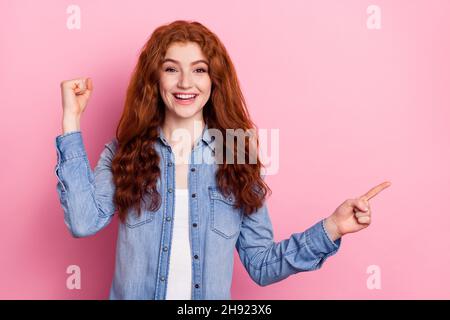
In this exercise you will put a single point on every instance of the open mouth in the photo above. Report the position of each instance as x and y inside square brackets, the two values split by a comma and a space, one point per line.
[185, 98]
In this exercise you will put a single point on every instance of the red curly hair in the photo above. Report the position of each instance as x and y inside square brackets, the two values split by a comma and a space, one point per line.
[135, 166]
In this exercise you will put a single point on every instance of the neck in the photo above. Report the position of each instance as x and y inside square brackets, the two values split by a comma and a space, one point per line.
[183, 132]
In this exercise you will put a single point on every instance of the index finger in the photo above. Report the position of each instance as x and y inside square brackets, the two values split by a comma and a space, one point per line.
[374, 191]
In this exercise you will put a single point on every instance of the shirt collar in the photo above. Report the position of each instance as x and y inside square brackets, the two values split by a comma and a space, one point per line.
[205, 137]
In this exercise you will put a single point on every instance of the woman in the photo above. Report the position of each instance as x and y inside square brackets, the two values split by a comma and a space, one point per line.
[182, 209]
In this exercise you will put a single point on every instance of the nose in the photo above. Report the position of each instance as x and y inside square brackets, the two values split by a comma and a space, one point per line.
[185, 80]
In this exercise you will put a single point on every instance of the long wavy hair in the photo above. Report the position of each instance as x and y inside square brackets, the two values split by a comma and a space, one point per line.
[135, 166]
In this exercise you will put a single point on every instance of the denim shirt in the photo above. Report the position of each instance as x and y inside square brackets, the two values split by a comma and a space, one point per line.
[216, 227]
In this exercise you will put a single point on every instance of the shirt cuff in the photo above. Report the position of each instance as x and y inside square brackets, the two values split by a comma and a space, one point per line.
[69, 145]
[320, 242]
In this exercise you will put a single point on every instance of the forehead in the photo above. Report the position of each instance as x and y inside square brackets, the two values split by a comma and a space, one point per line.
[184, 52]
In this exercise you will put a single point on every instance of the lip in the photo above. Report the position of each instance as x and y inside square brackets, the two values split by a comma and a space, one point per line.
[184, 93]
[185, 102]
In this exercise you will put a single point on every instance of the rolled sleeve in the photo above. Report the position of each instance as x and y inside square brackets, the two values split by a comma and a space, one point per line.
[319, 242]
[86, 195]
[69, 145]
[268, 261]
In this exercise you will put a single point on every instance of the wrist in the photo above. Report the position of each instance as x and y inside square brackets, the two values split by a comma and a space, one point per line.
[332, 228]
[70, 123]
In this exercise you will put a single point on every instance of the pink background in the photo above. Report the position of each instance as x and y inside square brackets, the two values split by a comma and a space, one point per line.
[354, 107]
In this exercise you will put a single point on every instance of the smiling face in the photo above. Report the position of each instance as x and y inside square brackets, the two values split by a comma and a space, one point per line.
[185, 84]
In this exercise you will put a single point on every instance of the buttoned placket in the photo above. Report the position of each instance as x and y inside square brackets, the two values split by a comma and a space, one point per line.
[167, 225]
[194, 230]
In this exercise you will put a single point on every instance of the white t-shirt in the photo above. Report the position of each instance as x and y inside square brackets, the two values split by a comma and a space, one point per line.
[179, 282]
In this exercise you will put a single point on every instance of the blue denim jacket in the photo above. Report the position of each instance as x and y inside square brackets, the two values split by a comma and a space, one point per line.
[216, 228]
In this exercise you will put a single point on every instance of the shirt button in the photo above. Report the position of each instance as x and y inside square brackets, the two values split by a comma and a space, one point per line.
[170, 190]
[196, 257]
[170, 164]
[193, 195]
[194, 225]
[168, 219]
[163, 279]
[165, 249]
[197, 286]
[192, 169]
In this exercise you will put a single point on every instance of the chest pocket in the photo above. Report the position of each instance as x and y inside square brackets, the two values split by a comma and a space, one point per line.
[224, 218]
[134, 221]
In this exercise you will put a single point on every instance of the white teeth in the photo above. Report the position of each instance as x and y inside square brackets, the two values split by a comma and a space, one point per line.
[185, 96]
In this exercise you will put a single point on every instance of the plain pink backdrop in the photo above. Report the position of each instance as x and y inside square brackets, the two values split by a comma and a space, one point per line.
[355, 107]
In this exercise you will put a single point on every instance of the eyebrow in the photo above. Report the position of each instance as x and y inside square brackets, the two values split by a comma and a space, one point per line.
[175, 61]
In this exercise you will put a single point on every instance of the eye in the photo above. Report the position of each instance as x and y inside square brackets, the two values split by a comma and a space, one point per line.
[169, 68]
[199, 70]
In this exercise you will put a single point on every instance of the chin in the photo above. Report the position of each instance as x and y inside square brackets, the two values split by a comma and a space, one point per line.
[186, 113]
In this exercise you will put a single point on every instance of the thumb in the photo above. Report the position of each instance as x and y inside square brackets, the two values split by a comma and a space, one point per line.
[89, 84]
